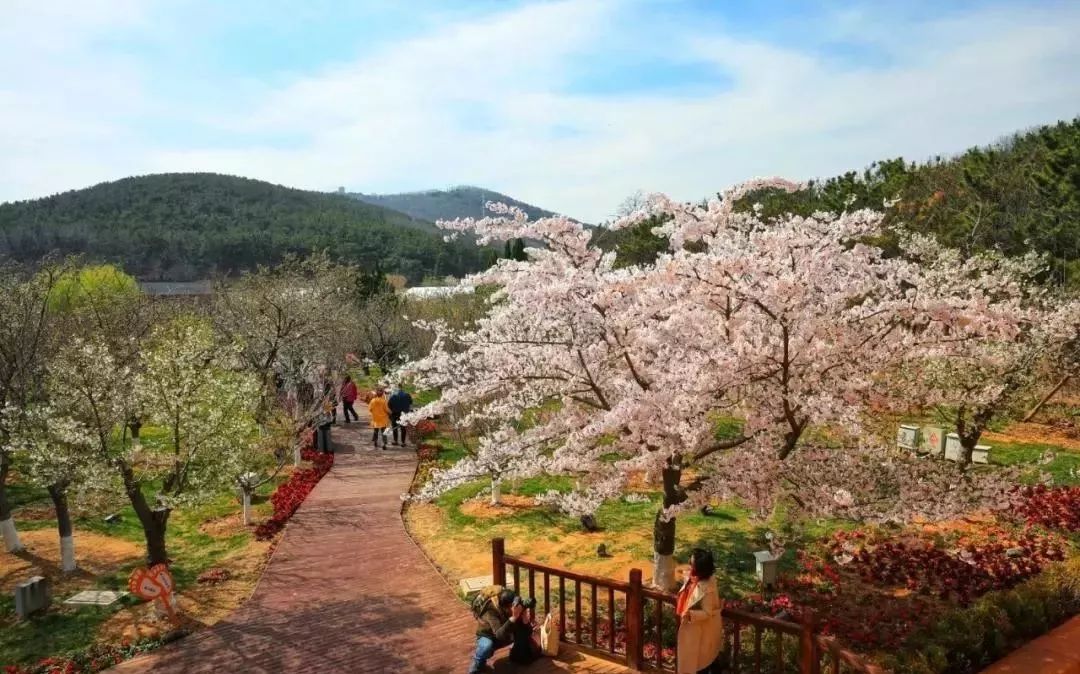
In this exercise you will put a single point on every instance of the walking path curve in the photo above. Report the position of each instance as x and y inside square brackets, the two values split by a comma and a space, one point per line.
[347, 590]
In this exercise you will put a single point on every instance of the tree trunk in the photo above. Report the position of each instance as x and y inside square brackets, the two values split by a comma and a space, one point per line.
[1035, 410]
[135, 425]
[496, 492]
[7, 523]
[246, 499]
[58, 494]
[664, 531]
[153, 520]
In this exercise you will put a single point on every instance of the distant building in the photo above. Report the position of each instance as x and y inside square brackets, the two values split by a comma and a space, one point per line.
[177, 288]
[341, 190]
[431, 292]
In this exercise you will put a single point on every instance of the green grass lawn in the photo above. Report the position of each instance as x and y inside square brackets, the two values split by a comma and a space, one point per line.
[1065, 467]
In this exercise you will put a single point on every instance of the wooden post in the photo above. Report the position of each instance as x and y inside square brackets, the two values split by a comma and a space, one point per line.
[498, 565]
[809, 657]
[635, 622]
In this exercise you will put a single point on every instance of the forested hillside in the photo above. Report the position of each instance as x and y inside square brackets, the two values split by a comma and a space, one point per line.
[182, 226]
[1020, 194]
[458, 202]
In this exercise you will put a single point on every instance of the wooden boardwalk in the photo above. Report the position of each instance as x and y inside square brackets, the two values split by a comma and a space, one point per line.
[347, 590]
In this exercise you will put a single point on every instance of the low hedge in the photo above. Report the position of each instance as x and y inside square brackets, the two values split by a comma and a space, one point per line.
[968, 639]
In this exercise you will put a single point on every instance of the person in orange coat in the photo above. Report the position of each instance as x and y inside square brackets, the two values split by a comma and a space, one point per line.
[380, 418]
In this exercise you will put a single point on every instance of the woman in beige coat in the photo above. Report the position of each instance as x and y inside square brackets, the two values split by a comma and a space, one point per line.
[701, 632]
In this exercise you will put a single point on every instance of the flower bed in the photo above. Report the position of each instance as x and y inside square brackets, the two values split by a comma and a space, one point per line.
[94, 658]
[291, 493]
[1051, 508]
[888, 591]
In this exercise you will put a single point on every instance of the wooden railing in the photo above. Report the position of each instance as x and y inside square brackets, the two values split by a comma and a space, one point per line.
[636, 625]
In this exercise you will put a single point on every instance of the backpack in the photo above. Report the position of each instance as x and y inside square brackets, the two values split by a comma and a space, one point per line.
[480, 601]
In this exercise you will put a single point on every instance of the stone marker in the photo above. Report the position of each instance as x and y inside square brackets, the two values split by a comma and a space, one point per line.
[32, 596]
[981, 454]
[767, 566]
[932, 440]
[953, 449]
[470, 586]
[94, 598]
[907, 437]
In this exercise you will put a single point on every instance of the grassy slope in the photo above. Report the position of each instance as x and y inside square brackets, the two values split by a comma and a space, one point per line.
[64, 629]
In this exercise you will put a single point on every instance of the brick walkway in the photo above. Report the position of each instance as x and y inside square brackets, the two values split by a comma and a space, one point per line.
[347, 590]
[1057, 652]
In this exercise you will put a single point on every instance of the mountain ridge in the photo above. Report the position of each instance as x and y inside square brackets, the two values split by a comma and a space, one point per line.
[184, 226]
[461, 201]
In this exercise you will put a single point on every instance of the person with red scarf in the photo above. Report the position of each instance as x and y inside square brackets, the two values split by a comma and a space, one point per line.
[698, 607]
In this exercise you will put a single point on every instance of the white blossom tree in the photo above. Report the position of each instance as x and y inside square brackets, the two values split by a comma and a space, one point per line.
[58, 453]
[185, 380]
[783, 324]
[191, 384]
[27, 334]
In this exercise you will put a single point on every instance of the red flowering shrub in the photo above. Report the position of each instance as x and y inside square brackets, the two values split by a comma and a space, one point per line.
[291, 493]
[1057, 508]
[427, 452]
[92, 659]
[424, 428]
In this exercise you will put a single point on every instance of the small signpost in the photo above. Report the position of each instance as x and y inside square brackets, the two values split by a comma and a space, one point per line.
[155, 583]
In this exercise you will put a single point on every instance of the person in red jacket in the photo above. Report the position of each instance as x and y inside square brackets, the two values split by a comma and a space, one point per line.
[348, 397]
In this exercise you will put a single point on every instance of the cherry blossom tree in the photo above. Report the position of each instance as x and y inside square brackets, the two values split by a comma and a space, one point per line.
[784, 324]
[979, 370]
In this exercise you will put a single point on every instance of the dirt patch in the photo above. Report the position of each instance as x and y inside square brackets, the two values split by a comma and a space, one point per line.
[1035, 434]
[509, 504]
[224, 527]
[200, 605]
[95, 554]
[468, 553]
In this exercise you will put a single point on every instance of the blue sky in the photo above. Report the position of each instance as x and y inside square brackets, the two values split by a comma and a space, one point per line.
[573, 104]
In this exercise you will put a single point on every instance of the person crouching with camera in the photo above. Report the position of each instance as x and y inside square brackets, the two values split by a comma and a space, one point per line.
[505, 619]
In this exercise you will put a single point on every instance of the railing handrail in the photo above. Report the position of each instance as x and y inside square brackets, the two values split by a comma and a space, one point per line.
[812, 645]
[745, 617]
[599, 581]
[833, 647]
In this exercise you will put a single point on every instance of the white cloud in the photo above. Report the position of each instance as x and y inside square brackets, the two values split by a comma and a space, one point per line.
[484, 101]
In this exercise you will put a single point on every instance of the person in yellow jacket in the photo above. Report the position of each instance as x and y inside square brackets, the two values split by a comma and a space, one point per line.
[379, 410]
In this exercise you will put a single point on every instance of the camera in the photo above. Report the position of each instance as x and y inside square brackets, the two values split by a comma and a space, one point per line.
[529, 603]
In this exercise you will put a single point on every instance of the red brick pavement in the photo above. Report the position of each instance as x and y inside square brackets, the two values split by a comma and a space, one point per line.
[347, 590]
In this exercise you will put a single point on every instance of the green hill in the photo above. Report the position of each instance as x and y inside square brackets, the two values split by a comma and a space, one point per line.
[183, 226]
[457, 202]
[1021, 193]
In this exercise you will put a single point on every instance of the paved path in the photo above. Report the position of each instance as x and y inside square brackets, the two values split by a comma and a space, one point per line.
[1057, 652]
[346, 590]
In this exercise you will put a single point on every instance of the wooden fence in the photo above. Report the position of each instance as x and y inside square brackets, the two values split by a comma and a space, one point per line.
[636, 625]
